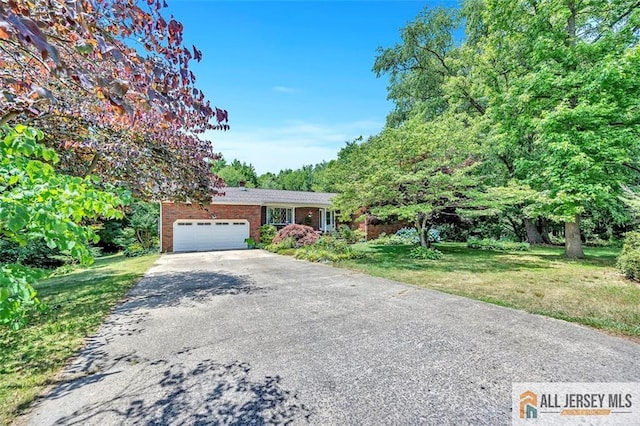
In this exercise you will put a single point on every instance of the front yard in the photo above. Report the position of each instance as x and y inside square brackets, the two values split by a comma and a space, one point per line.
[31, 358]
[540, 281]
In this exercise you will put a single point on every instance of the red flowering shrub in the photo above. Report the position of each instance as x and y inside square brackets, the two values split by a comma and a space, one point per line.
[302, 234]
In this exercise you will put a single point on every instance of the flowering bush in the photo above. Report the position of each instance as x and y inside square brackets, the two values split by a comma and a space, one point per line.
[302, 234]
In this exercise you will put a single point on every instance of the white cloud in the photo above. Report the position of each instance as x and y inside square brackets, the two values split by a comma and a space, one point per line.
[283, 89]
[291, 145]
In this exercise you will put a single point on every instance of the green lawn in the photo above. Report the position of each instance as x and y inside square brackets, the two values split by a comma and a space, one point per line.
[30, 358]
[541, 281]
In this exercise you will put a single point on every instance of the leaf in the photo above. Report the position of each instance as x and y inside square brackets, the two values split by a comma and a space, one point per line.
[18, 221]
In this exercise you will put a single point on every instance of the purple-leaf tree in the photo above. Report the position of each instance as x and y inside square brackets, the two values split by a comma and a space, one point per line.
[109, 83]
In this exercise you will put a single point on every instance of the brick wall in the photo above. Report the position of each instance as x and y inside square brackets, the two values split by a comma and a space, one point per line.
[303, 212]
[373, 231]
[172, 212]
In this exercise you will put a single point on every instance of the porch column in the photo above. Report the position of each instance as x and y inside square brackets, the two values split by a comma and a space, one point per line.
[323, 219]
[293, 215]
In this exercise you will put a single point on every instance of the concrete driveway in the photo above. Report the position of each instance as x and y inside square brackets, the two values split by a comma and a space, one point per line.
[247, 337]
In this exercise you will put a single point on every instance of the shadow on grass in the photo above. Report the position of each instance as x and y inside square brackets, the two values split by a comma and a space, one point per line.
[206, 393]
[460, 258]
[457, 258]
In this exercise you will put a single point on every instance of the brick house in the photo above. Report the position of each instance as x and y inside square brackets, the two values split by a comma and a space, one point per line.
[237, 215]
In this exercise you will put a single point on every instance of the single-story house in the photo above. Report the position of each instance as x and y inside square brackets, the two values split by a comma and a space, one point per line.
[237, 215]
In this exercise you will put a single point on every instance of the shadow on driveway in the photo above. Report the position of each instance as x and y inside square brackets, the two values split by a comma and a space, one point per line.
[178, 288]
[209, 393]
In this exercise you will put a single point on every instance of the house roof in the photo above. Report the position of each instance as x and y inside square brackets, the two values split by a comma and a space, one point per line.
[273, 197]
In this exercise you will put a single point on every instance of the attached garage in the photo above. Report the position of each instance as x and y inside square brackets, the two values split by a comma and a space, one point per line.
[203, 235]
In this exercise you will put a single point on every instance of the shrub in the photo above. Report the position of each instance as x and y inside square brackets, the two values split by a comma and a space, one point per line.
[328, 249]
[125, 238]
[629, 259]
[285, 244]
[35, 254]
[434, 235]
[499, 245]
[386, 240]
[144, 221]
[250, 242]
[425, 253]
[267, 233]
[405, 236]
[408, 236]
[141, 230]
[109, 231]
[135, 249]
[351, 236]
[302, 235]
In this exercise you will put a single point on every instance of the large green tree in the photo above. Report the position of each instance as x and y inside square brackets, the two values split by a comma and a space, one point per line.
[572, 96]
[420, 172]
[235, 172]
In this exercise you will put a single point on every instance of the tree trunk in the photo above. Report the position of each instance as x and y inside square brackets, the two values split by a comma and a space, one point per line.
[420, 226]
[543, 227]
[573, 242]
[516, 227]
[533, 235]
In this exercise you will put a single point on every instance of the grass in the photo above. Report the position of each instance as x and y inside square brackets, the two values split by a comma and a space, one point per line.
[540, 281]
[31, 358]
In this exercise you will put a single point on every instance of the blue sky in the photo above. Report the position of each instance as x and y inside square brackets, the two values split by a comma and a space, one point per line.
[295, 76]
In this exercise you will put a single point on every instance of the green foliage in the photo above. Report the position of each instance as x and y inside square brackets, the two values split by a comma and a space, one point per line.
[109, 231]
[350, 236]
[387, 240]
[287, 243]
[546, 96]
[267, 233]
[629, 259]
[431, 31]
[250, 242]
[144, 222]
[17, 296]
[135, 249]
[139, 235]
[235, 172]
[34, 253]
[425, 253]
[498, 245]
[328, 249]
[36, 203]
[564, 107]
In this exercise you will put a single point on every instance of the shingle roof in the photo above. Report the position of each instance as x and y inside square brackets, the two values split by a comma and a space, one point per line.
[273, 196]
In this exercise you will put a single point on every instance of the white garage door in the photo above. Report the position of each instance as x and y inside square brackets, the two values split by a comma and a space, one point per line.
[203, 235]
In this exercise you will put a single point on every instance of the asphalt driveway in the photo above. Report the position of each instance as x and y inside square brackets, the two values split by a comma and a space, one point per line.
[247, 337]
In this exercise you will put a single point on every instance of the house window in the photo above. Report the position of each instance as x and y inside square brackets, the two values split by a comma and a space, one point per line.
[329, 218]
[279, 215]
